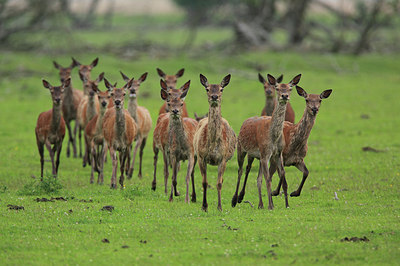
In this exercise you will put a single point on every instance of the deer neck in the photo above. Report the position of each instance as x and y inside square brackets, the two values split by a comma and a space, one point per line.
[177, 133]
[214, 124]
[132, 108]
[91, 108]
[303, 129]
[270, 103]
[120, 121]
[55, 119]
[99, 122]
[68, 100]
[278, 117]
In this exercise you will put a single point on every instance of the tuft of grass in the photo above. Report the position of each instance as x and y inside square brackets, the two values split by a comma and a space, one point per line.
[49, 185]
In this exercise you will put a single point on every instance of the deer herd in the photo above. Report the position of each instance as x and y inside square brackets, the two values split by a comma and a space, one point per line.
[273, 138]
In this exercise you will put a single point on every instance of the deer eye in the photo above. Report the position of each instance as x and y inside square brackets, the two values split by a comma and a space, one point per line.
[181, 104]
[221, 90]
[207, 90]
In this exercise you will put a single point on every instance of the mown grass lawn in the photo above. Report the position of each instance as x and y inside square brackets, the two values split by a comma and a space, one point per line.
[145, 228]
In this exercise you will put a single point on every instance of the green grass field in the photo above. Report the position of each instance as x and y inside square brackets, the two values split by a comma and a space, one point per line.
[145, 228]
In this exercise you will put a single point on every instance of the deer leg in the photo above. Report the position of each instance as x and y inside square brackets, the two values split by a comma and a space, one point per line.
[80, 138]
[302, 167]
[193, 186]
[137, 145]
[267, 181]
[51, 152]
[41, 153]
[59, 148]
[281, 173]
[174, 164]
[141, 156]
[93, 151]
[166, 173]
[100, 179]
[188, 174]
[272, 170]
[154, 183]
[250, 160]
[70, 139]
[203, 171]
[221, 170]
[113, 155]
[240, 159]
[122, 158]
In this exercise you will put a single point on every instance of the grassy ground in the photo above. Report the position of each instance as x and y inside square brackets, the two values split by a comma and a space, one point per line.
[145, 228]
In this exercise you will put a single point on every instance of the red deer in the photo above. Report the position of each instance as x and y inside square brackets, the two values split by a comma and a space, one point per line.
[261, 138]
[143, 120]
[270, 99]
[85, 70]
[171, 80]
[70, 105]
[95, 139]
[119, 131]
[174, 137]
[215, 140]
[296, 137]
[50, 128]
[88, 108]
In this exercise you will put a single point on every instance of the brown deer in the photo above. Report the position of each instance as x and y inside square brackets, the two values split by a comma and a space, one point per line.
[215, 140]
[95, 139]
[176, 138]
[171, 80]
[270, 99]
[296, 137]
[50, 128]
[119, 131]
[70, 105]
[88, 108]
[143, 120]
[261, 138]
[85, 70]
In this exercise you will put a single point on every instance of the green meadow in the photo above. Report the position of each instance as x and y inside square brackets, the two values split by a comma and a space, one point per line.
[144, 228]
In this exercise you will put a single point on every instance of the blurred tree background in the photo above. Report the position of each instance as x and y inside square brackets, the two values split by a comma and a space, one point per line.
[354, 26]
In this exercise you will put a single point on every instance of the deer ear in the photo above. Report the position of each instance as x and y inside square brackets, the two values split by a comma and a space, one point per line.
[161, 73]
[82, 77]
[301, 91]
[100, 78]
[163, 85]
[108, 85]
[325, 94]
[225, 81]
[46, 84]
[271, 80]
[295, 80]
[56, 65]
[203, 80]
[185, 89]
[75, 62]
[125, 77]
[279, 79]
[67, 83]
[129, 84]
[261, 78]
[94, 63]
[143, 77]
[180, 73]
[164, 94]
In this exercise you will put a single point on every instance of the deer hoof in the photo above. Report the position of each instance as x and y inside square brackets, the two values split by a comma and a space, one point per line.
[177, 193]
[153, 186]
[193, 197]
[275, 193]
[294, 194]
[204, 207]
[234, 200]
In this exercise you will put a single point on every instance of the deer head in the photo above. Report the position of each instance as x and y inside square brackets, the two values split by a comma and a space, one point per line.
[64, 72]
[91, 85]
[313, 101]
[117, 94]
[170, 80]
[174, 98]
[103, 97]
[134, 89]
[283, 90]
[214, 91]
[57, 92]
[85, 69]
[268, 88]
